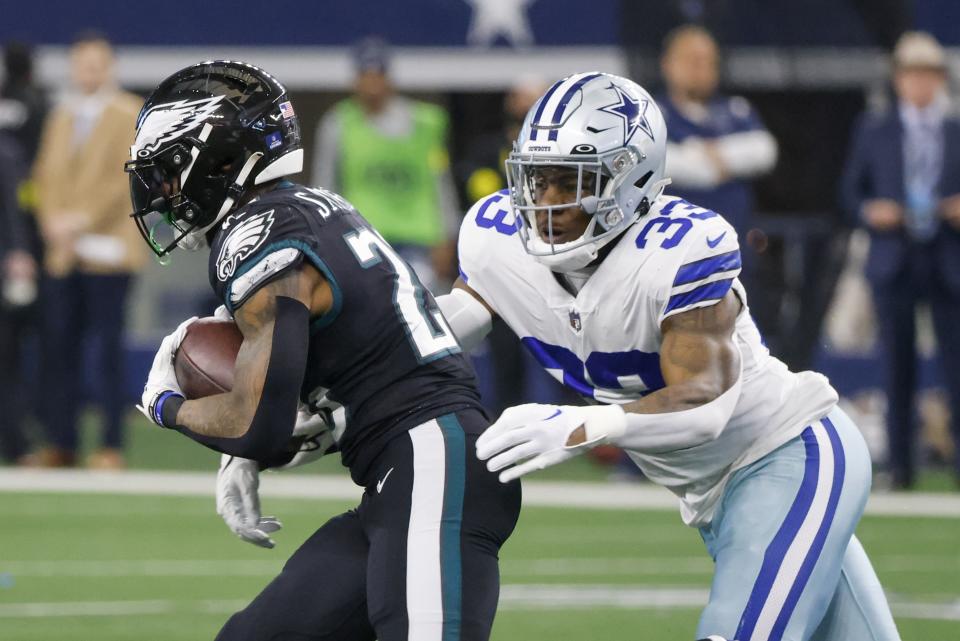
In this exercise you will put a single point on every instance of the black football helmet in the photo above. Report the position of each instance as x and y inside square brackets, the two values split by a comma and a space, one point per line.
[206, 135]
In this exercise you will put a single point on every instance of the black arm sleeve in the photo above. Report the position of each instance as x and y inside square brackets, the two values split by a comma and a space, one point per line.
[268, 437]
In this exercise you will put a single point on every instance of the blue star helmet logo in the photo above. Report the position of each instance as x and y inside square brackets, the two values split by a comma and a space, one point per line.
[633, 112]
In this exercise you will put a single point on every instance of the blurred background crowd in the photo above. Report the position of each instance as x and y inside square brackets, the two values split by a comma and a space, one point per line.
[824, 131]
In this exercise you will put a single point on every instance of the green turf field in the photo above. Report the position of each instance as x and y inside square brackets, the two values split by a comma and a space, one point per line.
[104, 568]
[109, 568]
[151, 448]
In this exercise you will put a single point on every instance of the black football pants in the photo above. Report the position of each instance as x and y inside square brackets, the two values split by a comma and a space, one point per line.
[416, 561]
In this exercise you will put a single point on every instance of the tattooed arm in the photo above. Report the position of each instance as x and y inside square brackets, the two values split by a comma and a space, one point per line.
[698, 359]
[253, 417]
[700, 363]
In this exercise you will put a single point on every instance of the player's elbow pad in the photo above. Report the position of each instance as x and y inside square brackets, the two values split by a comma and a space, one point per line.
[469, 319]
[267, 438]
[658, 433]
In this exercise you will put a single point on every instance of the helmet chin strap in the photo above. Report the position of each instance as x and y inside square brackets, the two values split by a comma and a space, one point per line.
[197, 239]
[560, 259]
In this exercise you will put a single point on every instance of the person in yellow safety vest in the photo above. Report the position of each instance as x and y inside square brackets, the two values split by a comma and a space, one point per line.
[387, 155]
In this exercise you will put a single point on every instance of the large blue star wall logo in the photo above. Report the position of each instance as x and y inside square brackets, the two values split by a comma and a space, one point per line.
[500, 19]
[633, 112]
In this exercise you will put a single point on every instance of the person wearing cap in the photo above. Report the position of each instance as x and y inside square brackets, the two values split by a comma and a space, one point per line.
[902, 183]
[387, 155]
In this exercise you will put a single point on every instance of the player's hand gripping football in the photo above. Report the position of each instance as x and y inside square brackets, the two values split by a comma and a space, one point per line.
[532, 437]
[162, 381]
[238, 501]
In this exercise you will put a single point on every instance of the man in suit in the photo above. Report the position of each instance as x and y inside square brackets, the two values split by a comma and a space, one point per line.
[902, 182]
[92, 250]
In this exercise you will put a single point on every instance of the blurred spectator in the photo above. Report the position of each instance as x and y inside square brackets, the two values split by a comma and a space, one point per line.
[482, 173]
[18, 275]
[23, 104]
[902, 182]
[387, 155]
[716, 145]
[23, 107]
[92, 251]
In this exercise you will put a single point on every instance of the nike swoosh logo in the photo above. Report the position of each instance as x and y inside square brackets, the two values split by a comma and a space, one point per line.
[594, 130]
[554, 415]
[383, 480]
[713, 242]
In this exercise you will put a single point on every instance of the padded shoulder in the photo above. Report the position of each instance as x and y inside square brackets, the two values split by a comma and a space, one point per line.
[697, 253]
[254, 246]
[487, 233]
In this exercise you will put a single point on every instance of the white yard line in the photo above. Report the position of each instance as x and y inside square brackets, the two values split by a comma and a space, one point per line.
[152, 568]
[516, 597]
[613, 496]
[546, 567]
[12, 570]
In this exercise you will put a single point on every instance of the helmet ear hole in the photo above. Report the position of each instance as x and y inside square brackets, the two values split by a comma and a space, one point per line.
[643, 180]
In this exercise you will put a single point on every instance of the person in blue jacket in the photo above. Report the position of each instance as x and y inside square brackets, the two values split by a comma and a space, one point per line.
[902, 182]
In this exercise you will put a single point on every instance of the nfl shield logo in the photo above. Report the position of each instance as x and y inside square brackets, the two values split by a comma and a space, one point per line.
[575, 320]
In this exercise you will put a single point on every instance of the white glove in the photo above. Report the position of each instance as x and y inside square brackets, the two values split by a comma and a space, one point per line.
[222, 313]
[533, 436]
[238, 502]
[334, 414]
[162, 380]
[317, 430]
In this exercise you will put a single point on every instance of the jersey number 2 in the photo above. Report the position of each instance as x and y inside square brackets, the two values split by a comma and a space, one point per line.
[427, 330]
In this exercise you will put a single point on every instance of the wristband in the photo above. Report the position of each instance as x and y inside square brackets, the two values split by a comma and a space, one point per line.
[166, 407]
[604, 422]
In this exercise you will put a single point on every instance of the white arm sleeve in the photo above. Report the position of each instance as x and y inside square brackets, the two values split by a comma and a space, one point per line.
[468, 318]
[748, 154]
[658, 433]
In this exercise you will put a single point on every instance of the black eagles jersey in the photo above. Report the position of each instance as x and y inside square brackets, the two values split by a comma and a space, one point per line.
[383, 350]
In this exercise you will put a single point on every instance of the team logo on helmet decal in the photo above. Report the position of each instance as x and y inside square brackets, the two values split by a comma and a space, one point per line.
[171, 120]
[242, 241]
[633, 112]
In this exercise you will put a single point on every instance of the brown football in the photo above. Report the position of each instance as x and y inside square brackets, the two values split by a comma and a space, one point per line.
[204, 363]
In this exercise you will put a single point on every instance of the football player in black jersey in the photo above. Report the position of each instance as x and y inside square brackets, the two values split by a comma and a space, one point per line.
[330, 317]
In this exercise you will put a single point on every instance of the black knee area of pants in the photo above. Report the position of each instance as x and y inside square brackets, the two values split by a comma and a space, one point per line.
[320, 595]
[348, 581]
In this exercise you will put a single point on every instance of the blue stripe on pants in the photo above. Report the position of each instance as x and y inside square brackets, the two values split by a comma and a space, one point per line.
[771, 604]
[777, 549]
[450, 562]
[814, 553]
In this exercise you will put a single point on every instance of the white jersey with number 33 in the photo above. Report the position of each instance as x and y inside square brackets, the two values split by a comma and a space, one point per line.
[604, 342]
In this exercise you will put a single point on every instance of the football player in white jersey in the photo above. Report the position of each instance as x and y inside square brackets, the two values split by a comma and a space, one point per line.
[630, 297]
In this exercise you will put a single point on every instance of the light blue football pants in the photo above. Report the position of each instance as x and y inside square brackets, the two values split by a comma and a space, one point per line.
[788, 566]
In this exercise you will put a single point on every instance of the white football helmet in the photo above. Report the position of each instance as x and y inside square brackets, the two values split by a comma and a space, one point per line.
[599, 124]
